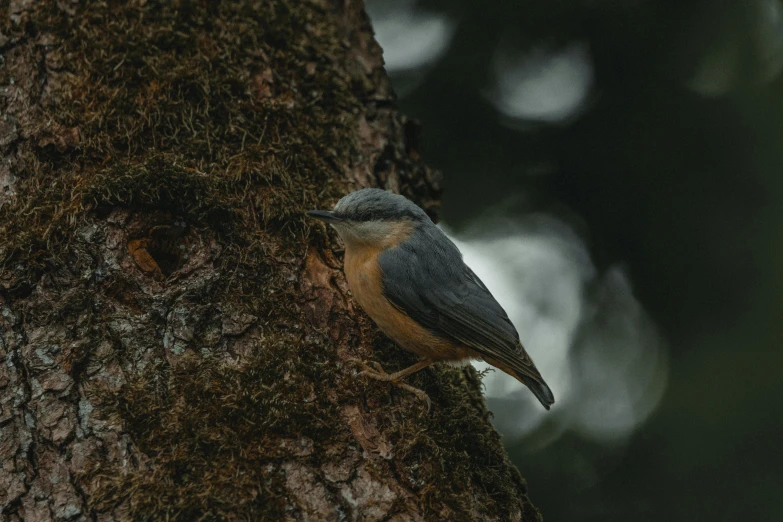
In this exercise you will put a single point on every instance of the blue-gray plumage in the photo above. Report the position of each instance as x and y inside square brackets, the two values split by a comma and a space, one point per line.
[411, 279]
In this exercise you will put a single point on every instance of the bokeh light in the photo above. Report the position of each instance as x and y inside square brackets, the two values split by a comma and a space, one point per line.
[589, 336]
[612, 173]
[541, 85]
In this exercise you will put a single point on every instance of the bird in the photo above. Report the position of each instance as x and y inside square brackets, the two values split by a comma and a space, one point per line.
[410, 278]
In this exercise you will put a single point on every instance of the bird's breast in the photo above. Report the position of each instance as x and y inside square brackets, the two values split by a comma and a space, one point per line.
[365, 279]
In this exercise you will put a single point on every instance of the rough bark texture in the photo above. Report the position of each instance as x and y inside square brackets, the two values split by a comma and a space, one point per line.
[174, 332]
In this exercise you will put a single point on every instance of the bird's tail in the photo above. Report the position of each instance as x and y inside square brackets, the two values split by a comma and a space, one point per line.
[523, 370]
[539, 389]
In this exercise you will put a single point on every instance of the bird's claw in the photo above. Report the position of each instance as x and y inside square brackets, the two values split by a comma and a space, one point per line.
[374, 370]
[368, 369]
[420, 394]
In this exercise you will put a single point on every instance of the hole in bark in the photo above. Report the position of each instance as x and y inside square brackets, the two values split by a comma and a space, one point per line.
[162, 250]
[168, 247]
[168, 261]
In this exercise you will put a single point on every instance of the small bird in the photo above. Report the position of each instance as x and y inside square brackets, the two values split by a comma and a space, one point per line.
[411, 280]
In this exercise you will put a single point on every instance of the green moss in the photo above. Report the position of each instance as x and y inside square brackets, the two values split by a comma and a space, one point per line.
[233, 111]
[214, 432]
[161, 183]
[451, 449]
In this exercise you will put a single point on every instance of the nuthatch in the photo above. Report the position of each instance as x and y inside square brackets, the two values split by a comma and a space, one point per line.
[411, 280]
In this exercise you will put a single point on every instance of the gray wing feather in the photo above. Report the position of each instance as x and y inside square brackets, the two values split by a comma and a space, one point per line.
[426, 278]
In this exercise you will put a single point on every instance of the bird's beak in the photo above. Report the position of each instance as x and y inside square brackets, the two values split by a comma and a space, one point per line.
[324, 215]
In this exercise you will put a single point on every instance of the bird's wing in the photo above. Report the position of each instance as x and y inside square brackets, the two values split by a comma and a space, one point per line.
[427, 280]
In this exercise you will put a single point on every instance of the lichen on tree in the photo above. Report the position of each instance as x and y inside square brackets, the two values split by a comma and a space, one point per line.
[175, 333]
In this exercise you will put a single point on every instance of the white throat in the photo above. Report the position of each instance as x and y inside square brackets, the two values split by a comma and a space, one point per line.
[381, 234]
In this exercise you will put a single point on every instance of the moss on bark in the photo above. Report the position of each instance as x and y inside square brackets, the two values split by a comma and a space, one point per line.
[176, 332]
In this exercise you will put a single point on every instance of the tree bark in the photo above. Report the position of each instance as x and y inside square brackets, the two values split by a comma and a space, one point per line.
[175, 334]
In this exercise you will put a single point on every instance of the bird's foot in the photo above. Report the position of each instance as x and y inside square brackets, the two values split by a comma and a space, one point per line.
[374, 370]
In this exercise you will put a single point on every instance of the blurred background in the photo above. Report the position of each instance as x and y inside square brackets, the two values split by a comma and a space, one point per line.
[614, 173]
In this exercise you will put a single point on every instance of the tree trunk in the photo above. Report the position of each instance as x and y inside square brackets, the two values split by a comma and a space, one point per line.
[176, 334]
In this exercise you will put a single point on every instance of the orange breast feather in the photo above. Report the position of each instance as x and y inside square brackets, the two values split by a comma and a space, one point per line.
[365, 280]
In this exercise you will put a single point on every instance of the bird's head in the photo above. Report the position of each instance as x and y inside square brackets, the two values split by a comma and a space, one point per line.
[373, 217]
